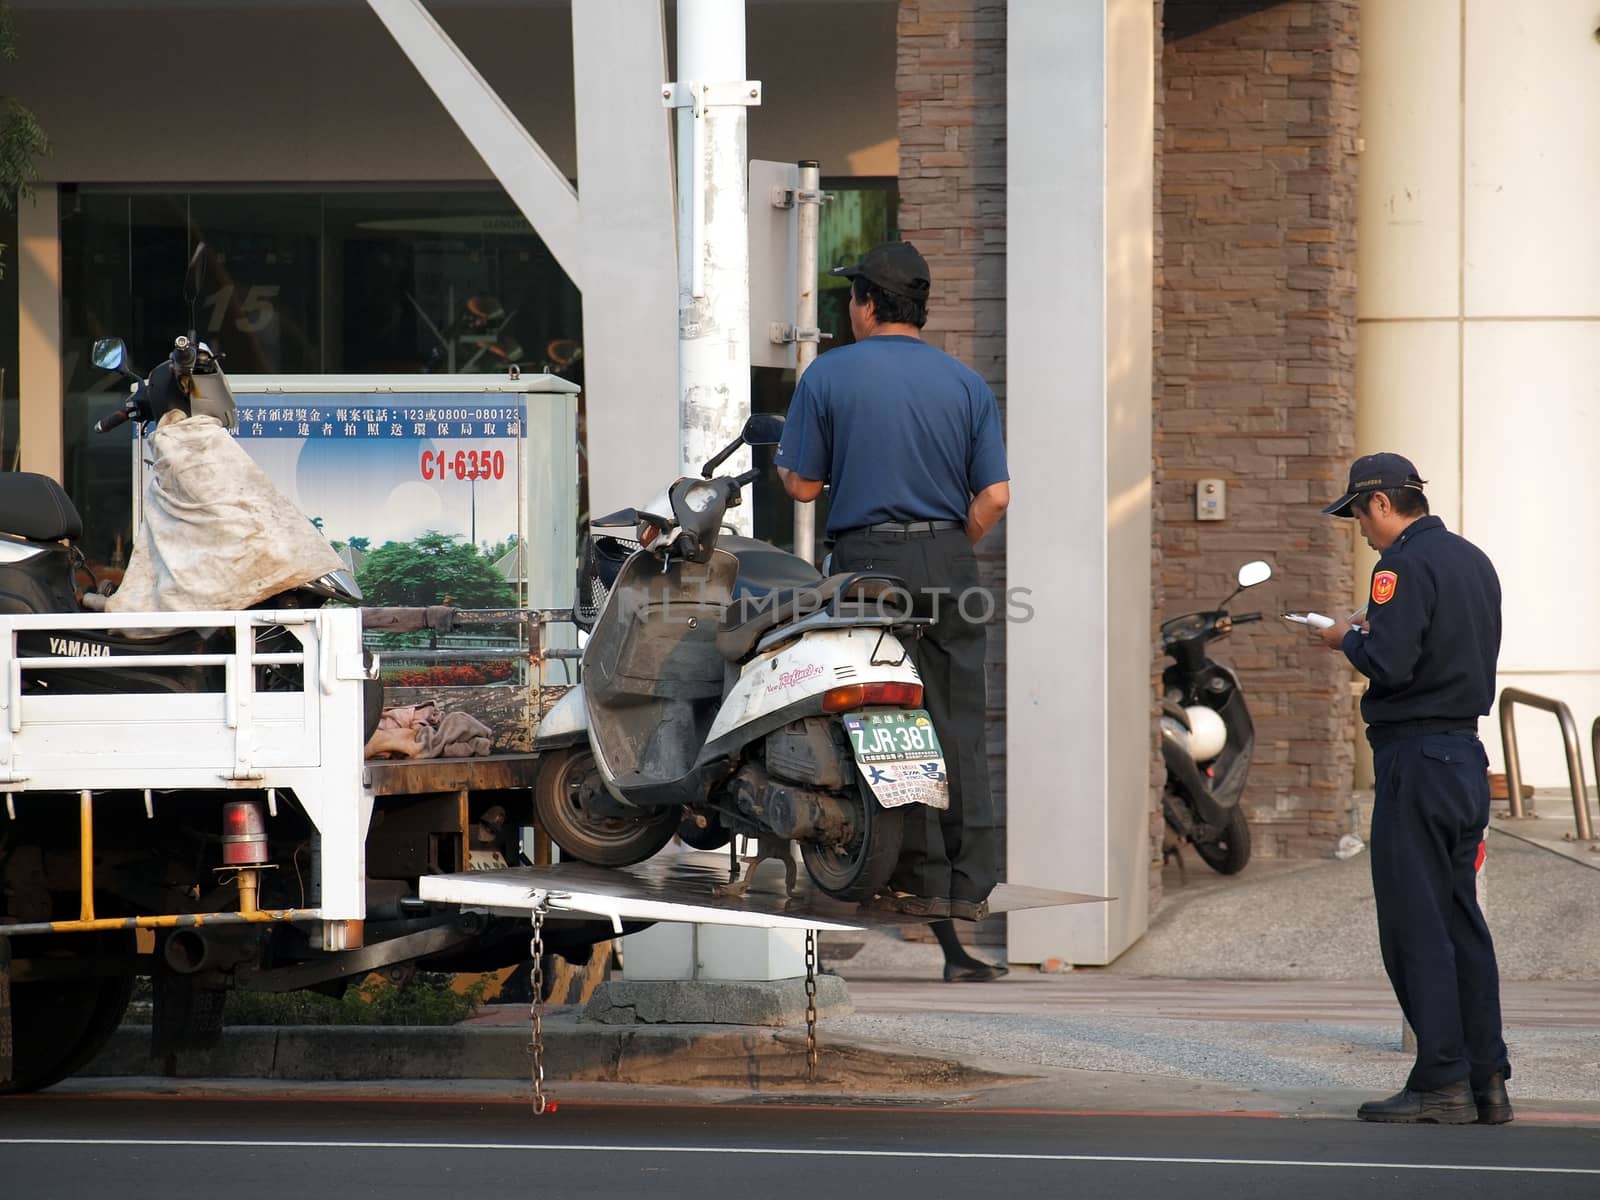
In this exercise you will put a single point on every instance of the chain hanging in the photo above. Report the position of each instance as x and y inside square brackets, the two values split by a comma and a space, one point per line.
[811, 1005]
[541, 1102]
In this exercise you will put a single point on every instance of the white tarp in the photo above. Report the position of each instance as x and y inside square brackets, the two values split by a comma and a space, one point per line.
[218, 535]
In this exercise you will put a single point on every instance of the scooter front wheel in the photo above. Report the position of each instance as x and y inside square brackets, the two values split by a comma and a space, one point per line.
[570, 803]
[1230, 851]
[859, 869]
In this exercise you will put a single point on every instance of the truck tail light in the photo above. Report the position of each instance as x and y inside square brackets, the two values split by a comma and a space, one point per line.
[244, 833]
[863, 695]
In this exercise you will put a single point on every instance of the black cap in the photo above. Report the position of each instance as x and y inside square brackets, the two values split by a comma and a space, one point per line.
[1376, 473]
[895, 267]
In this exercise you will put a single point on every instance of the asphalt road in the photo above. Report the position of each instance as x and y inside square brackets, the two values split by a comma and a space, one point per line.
[176, 1148]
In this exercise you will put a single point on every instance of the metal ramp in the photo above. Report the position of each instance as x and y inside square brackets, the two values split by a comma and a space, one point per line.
[685, 887]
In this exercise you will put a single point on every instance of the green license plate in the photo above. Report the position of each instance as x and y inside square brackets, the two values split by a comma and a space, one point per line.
[898, 735]
[900, 756]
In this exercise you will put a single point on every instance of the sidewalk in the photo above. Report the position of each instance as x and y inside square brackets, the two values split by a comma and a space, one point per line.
[1262, 992]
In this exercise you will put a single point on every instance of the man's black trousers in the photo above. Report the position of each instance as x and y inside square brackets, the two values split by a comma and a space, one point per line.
[1430, 811]
[949, 854]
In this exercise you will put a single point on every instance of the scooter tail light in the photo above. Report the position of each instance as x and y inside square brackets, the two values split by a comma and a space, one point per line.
[864, 695]
[244, 833]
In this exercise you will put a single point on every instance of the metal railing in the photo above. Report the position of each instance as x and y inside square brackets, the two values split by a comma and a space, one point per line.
[1509, 699]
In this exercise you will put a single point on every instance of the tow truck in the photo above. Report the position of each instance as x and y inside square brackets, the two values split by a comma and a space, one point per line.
[238, 838]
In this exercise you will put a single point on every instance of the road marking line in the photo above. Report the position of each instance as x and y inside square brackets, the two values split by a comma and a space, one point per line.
[788, 1152]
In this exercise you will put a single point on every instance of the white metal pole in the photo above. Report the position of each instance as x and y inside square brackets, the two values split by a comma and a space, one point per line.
[713, 235]
[808, 212]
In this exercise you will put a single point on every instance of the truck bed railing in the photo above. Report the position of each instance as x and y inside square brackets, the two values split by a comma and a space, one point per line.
[308, 739]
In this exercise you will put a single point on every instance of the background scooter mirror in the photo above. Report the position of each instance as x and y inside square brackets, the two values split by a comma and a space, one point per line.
[1253, 573]
[109, 354]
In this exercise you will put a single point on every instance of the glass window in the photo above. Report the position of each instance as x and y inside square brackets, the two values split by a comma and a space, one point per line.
[862, 213]
[342, 282]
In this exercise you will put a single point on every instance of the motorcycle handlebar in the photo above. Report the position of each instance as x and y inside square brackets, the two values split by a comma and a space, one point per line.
[746, 477]
[111, 420]
[183, 355]
[1246, 618]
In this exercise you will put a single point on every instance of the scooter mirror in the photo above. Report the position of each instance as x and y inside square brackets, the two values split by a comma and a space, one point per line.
[763, 429]
[109, 354]
[1253, 573]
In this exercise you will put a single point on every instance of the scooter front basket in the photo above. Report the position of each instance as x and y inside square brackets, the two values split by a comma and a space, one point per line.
[603, 556]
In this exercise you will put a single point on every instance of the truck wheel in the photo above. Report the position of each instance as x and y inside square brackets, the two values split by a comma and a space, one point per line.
[1229, 852]
[571, 804]
[57, 1026]
[859, 869]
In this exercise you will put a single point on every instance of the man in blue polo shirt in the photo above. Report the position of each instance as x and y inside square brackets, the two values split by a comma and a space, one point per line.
[1429, 647]
[909, 441]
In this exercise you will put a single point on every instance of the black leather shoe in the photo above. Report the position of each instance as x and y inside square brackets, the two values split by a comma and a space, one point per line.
[978, 972]
[969, 910]
[911, 906]
[1450, 1105]
[1494, 1103]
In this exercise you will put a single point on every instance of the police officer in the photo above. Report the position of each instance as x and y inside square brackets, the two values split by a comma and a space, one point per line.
[909, 440]
[1428, 647]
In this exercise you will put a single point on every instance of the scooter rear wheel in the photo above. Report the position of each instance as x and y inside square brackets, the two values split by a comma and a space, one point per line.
[859, 870]
[1228, 854]
[571, 805]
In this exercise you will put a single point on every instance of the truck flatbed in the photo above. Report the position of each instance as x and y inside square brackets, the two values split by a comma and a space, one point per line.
[415, 776]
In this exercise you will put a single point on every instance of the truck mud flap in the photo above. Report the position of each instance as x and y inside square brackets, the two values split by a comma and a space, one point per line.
[685, 888]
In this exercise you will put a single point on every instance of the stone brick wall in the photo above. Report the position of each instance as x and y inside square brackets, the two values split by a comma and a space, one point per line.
[951, 80]
[1255, 374]
[1158, 600]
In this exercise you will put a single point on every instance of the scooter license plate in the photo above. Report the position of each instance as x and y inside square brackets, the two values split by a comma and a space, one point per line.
[899, 756]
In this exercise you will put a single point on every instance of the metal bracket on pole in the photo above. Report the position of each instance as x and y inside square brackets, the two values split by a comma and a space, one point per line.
[782, 334]
[783, 197]
[744, 93]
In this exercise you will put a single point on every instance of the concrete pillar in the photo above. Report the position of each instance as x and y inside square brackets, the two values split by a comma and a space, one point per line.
[1479, 309]
[1079, 269]
[39, 335]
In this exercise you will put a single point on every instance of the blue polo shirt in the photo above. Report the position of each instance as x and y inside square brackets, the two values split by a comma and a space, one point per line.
[898, 429]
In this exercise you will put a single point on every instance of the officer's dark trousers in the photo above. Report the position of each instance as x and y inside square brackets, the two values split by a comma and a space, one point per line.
[1432, 805]
[949, 854]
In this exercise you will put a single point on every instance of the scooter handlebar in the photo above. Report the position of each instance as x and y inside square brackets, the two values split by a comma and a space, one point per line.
[1246, 618]
[111, 420]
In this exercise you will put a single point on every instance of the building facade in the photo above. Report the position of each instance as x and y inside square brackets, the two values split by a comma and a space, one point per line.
[1183, 240]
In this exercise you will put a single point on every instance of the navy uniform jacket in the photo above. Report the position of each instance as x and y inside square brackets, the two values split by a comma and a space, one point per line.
[1434, 617]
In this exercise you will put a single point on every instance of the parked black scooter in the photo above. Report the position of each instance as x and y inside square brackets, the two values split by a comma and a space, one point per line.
[1206, 734]
[40, 567]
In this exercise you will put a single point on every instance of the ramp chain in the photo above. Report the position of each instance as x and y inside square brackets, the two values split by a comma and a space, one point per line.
[541, 1102]
[811, 1005]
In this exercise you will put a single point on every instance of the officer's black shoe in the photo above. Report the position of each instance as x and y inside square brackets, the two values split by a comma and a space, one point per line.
[1494, 1103]
[1450, 1105]
[973, 972]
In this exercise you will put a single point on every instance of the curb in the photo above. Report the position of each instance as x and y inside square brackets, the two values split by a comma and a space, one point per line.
[753, 1059]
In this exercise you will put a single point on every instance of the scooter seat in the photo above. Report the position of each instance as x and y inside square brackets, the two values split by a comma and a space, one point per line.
[764, 568]
[748, 618]
[35, 507]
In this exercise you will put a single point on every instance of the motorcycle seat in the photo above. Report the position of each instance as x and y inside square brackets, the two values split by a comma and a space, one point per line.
[862, 593]
[764, 567]
[36, 508]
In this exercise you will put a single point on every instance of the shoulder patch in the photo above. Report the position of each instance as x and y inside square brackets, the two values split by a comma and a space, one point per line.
[1383, 586]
